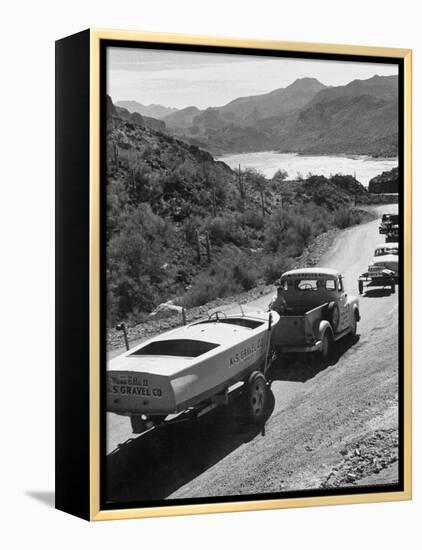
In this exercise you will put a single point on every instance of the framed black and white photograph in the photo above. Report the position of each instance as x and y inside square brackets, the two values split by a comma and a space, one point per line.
[233, 274]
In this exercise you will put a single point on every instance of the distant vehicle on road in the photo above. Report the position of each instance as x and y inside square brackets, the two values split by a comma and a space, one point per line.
[193, 368]
[392, 234]
[315, 311]
[383, 271]
[385, 222]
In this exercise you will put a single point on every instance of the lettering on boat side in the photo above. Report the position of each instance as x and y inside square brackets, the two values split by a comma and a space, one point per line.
[137, 390]
[246, 353]
[133, 385]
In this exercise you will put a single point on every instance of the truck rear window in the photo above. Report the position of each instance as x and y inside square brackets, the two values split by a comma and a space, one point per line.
[176, 348]
[315, 284]
[307, 284]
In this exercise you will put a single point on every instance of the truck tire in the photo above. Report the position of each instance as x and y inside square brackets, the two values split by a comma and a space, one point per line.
[333, 315]
[360, 286]
[354, 325]
[327, 345]
[256, 396]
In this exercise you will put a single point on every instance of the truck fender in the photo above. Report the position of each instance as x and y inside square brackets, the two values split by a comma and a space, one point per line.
[356, 311]
[324, 325]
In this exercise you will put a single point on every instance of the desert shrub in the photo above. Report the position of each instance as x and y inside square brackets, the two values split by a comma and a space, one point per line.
[254, 219]
[232, 273]
[245, 273]
[346, 217]
[225, 229]
[190, 227]
[275, 230]
[135, 258]
[274, 266]
[303, 229]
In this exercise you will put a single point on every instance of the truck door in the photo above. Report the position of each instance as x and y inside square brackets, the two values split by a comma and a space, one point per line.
[344, 307]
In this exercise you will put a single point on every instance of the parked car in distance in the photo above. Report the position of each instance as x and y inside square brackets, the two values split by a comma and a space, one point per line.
[392, 234]
[385, 221]
[315, 311]
[383, 271]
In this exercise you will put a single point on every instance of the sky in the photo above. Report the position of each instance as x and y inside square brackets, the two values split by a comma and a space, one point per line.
[182, 79]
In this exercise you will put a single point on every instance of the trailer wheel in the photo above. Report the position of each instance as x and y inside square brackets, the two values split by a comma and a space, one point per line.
[360, 285]
[256, 397]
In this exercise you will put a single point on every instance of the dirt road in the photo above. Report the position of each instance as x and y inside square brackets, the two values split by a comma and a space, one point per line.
[327, 427]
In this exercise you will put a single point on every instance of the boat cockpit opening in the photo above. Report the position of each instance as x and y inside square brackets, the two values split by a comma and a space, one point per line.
[237, 321]
[176, 348]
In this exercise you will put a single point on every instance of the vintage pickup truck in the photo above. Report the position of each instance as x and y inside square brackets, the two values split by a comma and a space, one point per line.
[315, 311]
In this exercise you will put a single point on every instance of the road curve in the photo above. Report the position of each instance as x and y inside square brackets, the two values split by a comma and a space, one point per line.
[190, 472]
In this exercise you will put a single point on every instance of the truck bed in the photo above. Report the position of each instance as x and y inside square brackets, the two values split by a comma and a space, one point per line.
[296, 328]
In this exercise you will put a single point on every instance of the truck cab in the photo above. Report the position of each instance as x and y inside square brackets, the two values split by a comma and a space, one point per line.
[315, 310]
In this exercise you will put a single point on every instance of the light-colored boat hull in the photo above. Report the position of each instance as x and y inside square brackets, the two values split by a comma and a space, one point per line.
[137, 391]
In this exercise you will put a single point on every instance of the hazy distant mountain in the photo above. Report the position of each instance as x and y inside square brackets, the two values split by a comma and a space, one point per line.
[277, 102]
[238, 126]
[135, 117]
[183, 118]
[153, 110]
[246, 111]
[361, 118]
[308, 117]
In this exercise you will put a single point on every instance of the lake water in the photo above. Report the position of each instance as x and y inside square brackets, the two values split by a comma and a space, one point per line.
[268, 162]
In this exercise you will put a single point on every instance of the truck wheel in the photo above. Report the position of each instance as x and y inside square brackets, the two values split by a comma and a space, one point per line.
[354, 326]
[360, 285]
[333, 315]
[256, 397]
[327, 344]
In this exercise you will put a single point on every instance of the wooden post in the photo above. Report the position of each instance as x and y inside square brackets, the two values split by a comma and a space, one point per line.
[122, 327]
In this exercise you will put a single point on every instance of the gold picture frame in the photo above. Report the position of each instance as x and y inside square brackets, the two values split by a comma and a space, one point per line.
[91, 509]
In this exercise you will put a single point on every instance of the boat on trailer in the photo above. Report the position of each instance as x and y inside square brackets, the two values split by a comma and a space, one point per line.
[192, 368]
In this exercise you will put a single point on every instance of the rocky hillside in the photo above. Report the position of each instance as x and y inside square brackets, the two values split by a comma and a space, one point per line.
[387, 182]
[184, 227]
[135, 117]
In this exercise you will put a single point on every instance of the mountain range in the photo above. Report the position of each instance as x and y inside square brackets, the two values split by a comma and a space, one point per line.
[153, 110]
[305, 117]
